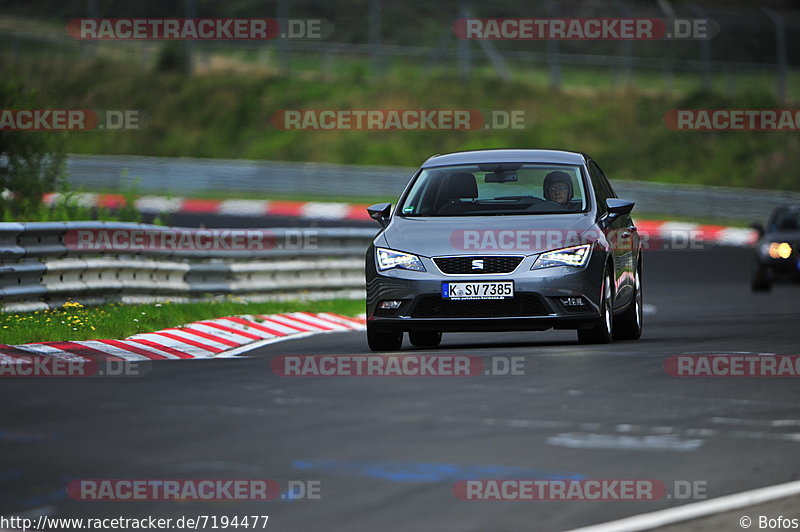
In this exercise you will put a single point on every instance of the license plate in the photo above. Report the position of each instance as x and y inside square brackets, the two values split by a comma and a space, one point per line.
[478, 290]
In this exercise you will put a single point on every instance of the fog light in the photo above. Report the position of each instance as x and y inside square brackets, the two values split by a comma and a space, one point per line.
[390, 304]
[572, 301]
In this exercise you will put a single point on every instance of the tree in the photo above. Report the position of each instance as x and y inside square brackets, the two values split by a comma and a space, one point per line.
[31, 163]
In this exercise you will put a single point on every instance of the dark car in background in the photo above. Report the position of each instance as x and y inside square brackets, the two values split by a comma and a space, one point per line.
[777, 251]
[504, 240]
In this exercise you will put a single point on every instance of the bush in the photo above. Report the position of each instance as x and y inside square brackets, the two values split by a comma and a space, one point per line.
[172, 57]
[31, 163]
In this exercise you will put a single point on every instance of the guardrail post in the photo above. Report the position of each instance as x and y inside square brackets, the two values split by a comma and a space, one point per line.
[464, 52]
[780, 53]
[375, 36]
[283, 49]
[705, 51]
[553, 58]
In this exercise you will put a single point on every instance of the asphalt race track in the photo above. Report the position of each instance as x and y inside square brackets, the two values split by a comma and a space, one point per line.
[388, 450]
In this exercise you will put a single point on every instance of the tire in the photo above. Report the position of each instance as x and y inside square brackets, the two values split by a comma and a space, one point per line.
[628, 326]
[425, 338]
[602, 332]
[759, 279]
[379, 341]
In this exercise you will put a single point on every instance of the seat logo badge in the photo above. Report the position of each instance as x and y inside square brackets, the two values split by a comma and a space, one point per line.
[477, 264]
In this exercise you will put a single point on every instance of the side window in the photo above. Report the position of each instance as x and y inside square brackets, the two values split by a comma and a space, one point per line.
[601, 190]
[604, 182]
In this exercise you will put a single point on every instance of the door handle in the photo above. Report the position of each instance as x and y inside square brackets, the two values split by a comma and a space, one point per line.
[625, 234]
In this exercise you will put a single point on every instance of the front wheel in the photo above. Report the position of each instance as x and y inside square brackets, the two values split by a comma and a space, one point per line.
[601, 333]
[380, 341]
[628, 326]
[425, 338]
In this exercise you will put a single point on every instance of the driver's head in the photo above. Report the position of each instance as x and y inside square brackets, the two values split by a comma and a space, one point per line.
[558, 187]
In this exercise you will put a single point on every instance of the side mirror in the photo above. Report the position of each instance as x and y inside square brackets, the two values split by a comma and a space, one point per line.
[758, 228]
[380, 213]
[618, 207]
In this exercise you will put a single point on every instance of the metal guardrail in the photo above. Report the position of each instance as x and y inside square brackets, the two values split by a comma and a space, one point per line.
[39, 268]
[186, 176]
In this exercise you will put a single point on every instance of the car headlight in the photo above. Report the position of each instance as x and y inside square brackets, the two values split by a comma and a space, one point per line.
[777, 250]
[572, 256]
[388, 259]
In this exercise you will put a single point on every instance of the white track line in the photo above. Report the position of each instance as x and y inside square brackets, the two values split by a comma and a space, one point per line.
[687, 512]
[231, 353]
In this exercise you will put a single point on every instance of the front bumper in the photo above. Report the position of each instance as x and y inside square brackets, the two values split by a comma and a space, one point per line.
[536, 304]
[781, 269]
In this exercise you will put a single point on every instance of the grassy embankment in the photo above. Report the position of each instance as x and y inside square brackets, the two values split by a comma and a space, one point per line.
[227, 115]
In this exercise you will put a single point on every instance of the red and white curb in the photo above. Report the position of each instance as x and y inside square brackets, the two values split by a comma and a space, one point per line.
[217, 338]
[236, 207]
[687, 233]
[677, 231]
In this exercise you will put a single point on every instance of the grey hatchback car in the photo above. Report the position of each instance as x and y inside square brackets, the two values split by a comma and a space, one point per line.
[504, 240]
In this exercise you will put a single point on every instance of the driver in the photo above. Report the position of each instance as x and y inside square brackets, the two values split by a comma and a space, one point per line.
[558, 188]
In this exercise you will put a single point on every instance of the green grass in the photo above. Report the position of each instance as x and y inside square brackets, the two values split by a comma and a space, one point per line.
[226, 115]
[115, 321]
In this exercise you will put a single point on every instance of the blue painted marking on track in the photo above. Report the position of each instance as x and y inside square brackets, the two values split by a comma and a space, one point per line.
[8, 495]
[430, 472]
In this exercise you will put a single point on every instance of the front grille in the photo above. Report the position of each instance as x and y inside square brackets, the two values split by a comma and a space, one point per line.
[491, 264]
[520, 305]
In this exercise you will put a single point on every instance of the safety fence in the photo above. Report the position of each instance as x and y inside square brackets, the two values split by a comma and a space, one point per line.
[186, 176]
[43, 264]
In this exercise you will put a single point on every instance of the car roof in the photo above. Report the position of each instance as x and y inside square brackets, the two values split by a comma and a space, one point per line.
[787, 207]
[506, 156]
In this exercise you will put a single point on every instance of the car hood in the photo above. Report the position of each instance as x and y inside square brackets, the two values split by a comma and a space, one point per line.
[473, 235]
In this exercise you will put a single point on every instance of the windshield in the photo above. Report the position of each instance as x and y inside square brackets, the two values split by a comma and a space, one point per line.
[786, 220]
[496, 189]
